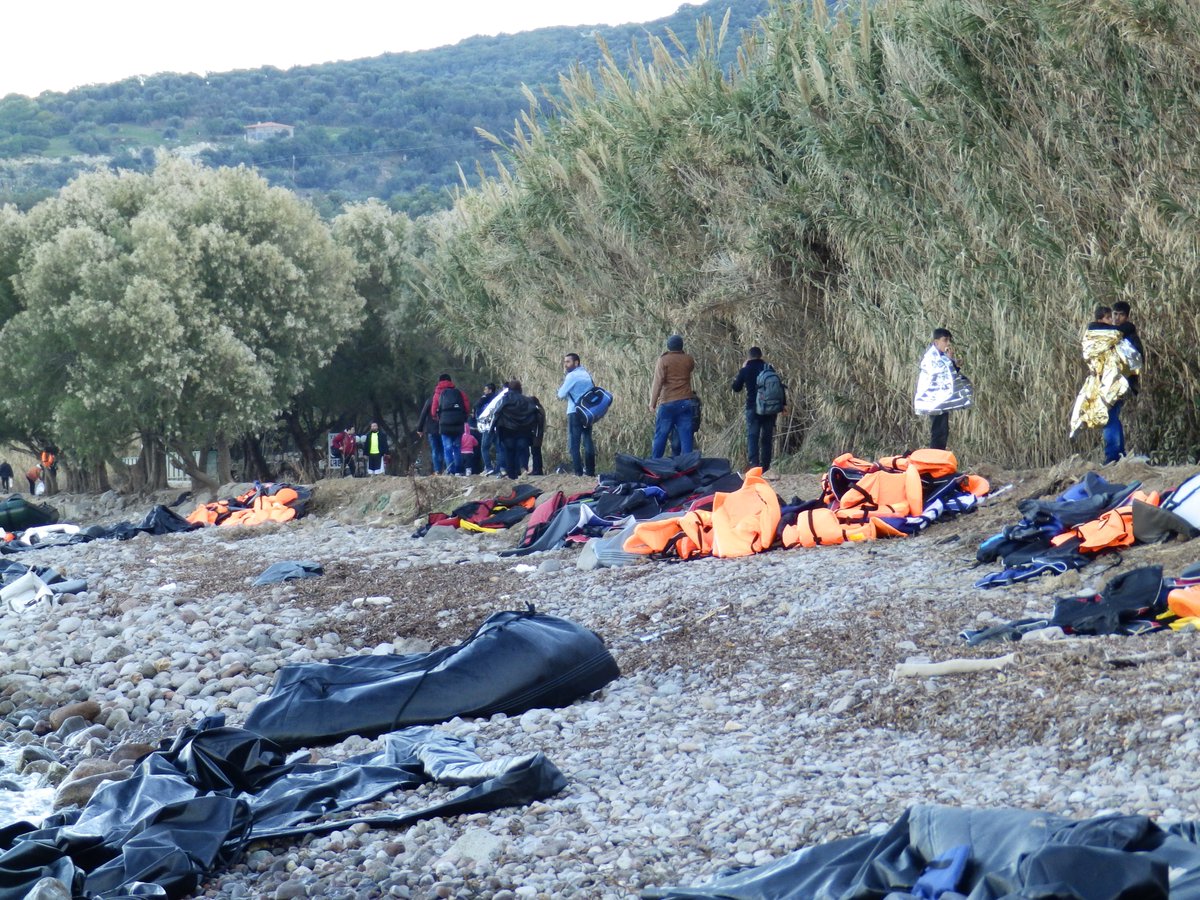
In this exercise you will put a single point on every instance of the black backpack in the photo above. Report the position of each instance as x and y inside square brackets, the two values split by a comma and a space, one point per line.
[452, 408]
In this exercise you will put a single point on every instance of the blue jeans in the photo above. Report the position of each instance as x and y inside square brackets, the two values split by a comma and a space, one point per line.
[584, 464]
[489, 446]
[452, 451]
[1114, 433]
[437, 462]
[514, 452]
[678, 415]
[760, 432]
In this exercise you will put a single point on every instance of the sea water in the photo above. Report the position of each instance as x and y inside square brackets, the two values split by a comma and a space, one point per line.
[21, 796]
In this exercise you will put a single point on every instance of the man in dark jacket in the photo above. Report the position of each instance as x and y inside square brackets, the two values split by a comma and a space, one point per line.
[451, 408]
[1120, 318]
[427, 427]
[516, 422]
[760, 427]
[375, 445]
[535, 442]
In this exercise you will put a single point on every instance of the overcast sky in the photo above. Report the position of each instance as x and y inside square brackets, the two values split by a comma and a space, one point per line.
[60, 44]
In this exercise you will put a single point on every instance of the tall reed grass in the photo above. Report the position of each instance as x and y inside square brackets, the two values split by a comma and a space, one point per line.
[996, 168]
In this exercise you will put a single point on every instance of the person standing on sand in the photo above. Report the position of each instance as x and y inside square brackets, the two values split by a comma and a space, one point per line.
[1111, 358]
[671, 397]
[941, 388]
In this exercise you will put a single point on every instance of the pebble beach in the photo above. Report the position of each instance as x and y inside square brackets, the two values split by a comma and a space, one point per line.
[759, 709]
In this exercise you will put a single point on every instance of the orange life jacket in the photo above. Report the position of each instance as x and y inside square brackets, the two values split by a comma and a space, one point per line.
[934, 463]
[1111, 529]
[1185, 601]
[744, 521]
[822, 528]
[849, 464]
[900, 493]
[652, 536]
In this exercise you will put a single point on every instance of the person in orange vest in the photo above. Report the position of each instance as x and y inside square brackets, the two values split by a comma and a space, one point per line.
[33, 476]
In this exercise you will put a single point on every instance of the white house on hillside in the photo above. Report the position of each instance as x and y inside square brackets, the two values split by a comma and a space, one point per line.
[261, 131]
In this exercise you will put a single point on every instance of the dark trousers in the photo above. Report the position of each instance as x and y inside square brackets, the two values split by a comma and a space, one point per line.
[760, 433]
[939, 431]
[585, 463]
[1114, 433]
[535, 460]
[514, 452]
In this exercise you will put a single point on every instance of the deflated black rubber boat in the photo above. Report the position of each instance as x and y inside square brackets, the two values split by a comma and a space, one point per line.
[515, 661]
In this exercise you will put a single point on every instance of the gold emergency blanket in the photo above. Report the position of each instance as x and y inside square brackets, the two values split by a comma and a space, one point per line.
[1110, 359]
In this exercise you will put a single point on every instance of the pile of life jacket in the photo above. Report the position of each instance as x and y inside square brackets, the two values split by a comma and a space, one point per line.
[1090, 517]
[861, 500]
[262, 503]
[493, 514]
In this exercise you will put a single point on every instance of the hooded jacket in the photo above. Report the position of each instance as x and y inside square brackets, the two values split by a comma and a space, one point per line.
[435, 408]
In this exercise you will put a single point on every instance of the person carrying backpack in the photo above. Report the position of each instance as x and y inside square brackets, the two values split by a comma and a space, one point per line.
[577, 382]
[516, 423]
[451, 409]
[766, 398]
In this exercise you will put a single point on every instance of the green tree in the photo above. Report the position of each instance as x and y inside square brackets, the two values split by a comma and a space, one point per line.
[383, 371]
[183, 307]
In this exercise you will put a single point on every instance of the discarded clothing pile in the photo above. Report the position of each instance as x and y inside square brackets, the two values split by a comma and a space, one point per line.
[637, 489]
[262, 503]
[159, 520]
[988, 854]
[193, 807]
[1135, 602]
[495, 514]
[1055, 536]
[861, 501]
[515, 661]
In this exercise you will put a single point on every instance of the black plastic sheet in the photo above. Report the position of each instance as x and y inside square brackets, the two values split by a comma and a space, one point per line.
[289, 570]
[193, 807]
[1012, 854]
[515, 661]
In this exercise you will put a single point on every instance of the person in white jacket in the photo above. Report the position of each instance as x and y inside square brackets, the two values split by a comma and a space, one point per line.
[941, 388]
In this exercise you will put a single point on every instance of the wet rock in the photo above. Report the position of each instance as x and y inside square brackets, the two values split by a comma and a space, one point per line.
[78, 791]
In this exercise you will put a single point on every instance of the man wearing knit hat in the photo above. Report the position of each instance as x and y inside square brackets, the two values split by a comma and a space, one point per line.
[671, 397]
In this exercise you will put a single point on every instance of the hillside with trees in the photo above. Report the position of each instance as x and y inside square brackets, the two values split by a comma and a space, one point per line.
[398, 127]
[849, 185]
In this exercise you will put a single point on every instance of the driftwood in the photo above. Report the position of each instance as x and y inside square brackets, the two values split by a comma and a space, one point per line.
[952, 667]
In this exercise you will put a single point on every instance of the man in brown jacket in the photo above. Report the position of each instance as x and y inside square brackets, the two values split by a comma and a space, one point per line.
[671, 397]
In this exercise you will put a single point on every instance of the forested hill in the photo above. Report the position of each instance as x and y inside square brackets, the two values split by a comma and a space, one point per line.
[396, 126]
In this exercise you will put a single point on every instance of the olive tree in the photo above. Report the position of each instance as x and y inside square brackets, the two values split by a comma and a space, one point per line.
[182, 307]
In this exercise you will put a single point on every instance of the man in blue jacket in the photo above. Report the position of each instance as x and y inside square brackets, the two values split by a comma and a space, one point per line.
[576, 383]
